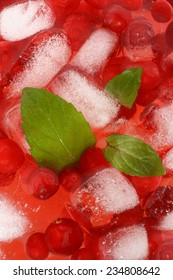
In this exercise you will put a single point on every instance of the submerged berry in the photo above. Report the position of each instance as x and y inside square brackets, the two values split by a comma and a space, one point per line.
[11, 156]
[91, 161]
[70, 178]
[160, 202]
[43, 183]
[64, 236]
[36, 247]
[161, 11]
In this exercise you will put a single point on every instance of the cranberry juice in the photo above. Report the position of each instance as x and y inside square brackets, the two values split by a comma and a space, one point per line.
[87, 210]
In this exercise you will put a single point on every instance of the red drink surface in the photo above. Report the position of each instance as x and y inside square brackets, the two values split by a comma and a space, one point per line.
[77, 49]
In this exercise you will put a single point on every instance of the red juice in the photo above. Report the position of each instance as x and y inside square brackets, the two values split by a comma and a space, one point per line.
[88, 210]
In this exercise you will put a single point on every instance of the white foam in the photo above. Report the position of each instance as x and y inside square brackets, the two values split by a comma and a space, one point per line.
[97, 106]
[168, 160]
[22, 20]
[11, 125]
[12, 223]
[47, 59]
[110, 190]
[95, 51]
[166, 222]
[128, 243]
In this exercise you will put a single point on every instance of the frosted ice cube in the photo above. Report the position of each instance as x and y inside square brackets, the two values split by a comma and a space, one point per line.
[12, 223]
[46, 60]
[22, 20]
[97, 106]
[166, 222]
[168, 160]
[106, 193]
[163, 119]
[127, 243]
[11, 125]
[95, 51]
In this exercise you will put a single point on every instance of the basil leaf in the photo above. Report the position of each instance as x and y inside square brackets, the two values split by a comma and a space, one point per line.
[56, 132]
[133, 156]
[125, 86]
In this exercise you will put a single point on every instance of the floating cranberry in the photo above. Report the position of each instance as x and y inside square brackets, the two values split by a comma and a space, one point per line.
[91, 161]
[161, 11]
[78, 28]
[11, 156]
[83, 254]
[168, 35]
[164, 251]
[145, 185]
[36, 247]
[64, 236]
[70, 178]
[160, 202]
[116, 18]
[43, 183]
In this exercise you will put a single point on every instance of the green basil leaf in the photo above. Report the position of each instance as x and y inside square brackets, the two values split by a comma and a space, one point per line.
[125, 86]
[132, 156]
[56, 132]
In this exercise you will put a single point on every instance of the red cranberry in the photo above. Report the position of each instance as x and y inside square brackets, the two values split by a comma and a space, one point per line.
[164, 251]
[160, 202]
[161, 11]
[64, 236]
[11, 156]
[82, 254]
[43, 183]
[116, 18]
[91, 161]
[36, 247]
[70, 178]
[168, 35]
[145, 185]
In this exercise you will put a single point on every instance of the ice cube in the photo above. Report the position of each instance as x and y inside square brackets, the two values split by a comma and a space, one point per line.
[11, 124]
[44, 58]
[137, 39]
[12, 222]
[103, 195]
[22, 20]
[166, 222]
[93, 54]
[126, 243]
[97, 106]
[163, 119]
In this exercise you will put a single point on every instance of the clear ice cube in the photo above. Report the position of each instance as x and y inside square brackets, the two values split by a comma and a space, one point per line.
[102, 196]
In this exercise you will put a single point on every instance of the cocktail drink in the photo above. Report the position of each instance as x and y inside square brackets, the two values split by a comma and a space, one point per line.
[86, 129]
